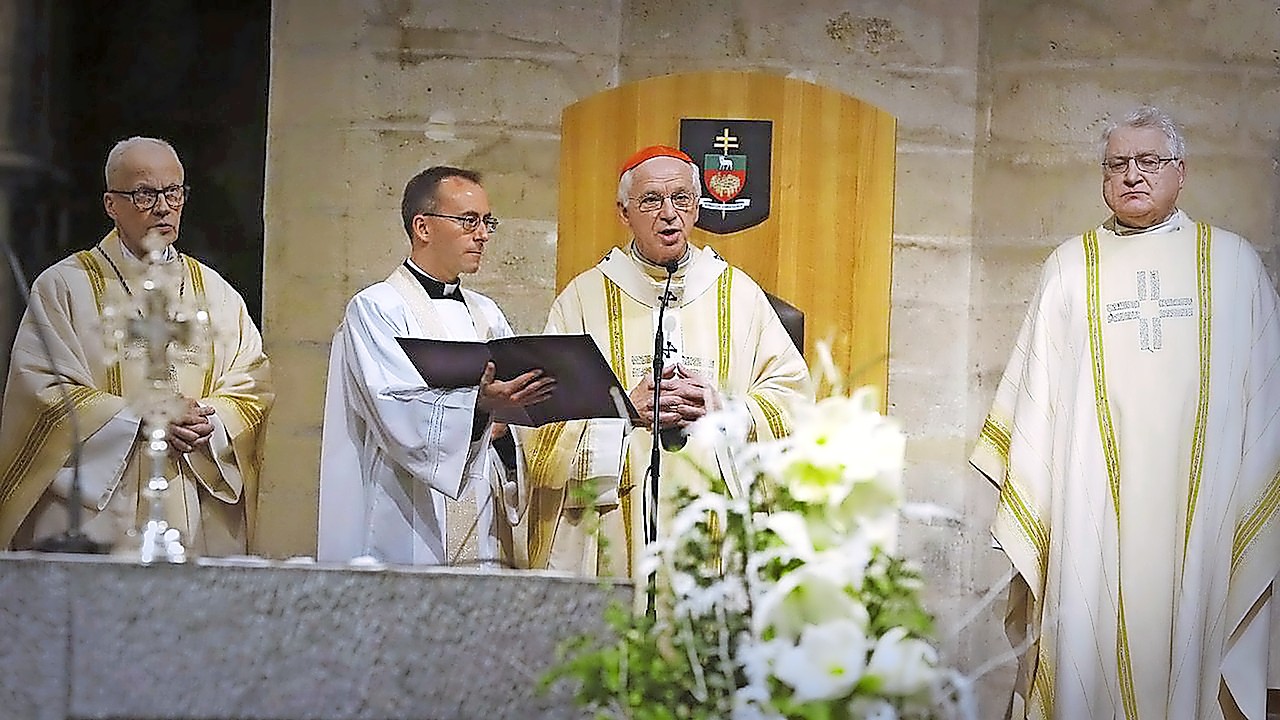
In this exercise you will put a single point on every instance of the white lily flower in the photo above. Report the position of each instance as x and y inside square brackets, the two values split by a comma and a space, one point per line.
[839, 443]
[827, 662]
[757, 657]
[793, 530]
[811, 594]
[903, 665]
[868, 709]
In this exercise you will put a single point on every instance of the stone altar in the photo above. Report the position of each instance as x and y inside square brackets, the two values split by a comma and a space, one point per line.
[260, 640]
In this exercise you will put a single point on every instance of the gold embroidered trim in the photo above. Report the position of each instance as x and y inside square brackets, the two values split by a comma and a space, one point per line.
[202, 301]
[78, 397]
[98, 283]
[1112, 454]
[1259, 516]
[1202, 410]
[1013, 500]
[997, 436]
[617, 348]
[773, 415]
[724, 286]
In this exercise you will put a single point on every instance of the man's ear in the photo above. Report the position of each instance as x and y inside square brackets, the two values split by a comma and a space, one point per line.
[622, 213]
[109, 205]
[420, 229]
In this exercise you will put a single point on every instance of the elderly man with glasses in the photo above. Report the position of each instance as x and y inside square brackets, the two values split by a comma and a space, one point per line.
[61, 356]
[1135, 443]
[595, 496]
[409, 473]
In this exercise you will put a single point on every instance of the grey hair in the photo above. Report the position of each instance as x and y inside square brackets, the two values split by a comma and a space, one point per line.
[628, 177]
[119, 149]
[1150, 117]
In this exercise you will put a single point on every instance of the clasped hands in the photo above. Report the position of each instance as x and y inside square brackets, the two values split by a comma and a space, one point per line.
[191, 426]
[684, 397]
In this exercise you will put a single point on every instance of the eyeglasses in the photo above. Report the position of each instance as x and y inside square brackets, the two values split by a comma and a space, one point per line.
[469, 222]
[1146, 163]
[650, 202]
[145, 198]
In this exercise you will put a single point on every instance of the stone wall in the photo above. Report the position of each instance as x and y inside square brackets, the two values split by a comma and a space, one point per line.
[999, 104]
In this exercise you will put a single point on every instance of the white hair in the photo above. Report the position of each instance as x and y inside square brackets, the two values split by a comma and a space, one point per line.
[118, 151]
[1148, 116]
[628, 177]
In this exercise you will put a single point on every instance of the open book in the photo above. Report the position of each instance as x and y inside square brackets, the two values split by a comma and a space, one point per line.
[585, 385]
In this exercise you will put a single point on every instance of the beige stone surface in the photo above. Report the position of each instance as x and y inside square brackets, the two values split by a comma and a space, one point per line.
[999, 106]
[271, 641]
[932, 196]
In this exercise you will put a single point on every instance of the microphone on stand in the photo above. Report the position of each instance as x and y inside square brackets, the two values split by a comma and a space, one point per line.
[673, 438]
[73, 540]
[661, 438]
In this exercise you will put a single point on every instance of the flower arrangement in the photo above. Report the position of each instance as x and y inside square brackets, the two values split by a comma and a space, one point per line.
[777, 593]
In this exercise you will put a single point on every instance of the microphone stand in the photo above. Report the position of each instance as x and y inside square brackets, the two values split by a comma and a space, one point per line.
[655, 452]
[73, 540]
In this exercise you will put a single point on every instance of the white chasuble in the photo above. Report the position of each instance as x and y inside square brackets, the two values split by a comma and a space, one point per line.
[213, 490]
[718, 324]
[404, 477]
[1133, 439]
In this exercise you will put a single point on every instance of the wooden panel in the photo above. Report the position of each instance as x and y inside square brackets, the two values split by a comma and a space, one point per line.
[827, 244]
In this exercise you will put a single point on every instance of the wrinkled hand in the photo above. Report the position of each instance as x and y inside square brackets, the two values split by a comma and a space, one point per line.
[684, 397]
[190, 428]
[696, 396]
[522, 390]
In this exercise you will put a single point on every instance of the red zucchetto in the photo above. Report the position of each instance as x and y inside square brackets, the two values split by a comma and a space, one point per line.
[651, 152]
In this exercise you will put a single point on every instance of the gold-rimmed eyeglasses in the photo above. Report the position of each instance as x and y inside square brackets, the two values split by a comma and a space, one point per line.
[145, 198]
[650, 202]
[1146, 163]
[470, 221]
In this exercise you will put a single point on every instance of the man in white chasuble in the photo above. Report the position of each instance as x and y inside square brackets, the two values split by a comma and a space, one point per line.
[215, 437]
[723, 343]
[1135, 443]
[408, 472]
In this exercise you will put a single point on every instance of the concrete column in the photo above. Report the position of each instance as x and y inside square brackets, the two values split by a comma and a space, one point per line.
[9, 33]
[25, 141]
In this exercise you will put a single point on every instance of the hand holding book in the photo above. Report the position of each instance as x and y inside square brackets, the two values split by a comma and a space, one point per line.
[528, 388]
[572, 379]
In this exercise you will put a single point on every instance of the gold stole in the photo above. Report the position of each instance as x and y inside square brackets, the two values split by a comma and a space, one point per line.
[461, 516]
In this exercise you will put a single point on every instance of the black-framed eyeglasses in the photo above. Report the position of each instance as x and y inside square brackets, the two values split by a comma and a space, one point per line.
[145, 198]
[1146, 163]
[471, 221]
[680, 200]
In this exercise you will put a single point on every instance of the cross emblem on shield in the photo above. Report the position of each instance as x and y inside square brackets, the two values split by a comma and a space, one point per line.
[735, 157]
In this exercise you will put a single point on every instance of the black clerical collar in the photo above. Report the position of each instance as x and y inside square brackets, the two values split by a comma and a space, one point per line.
[436, 289]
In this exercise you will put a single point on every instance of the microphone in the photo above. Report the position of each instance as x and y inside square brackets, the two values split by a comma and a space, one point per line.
[673, 438]
[73, 540]
[655, 454]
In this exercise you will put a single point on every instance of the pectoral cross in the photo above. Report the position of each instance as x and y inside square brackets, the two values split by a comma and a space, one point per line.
[157, 328]
[1149, 309]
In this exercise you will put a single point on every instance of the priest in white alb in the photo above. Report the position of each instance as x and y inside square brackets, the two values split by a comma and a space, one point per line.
[723, 343]
[221, 388]
[1135, 443]
[408, 472]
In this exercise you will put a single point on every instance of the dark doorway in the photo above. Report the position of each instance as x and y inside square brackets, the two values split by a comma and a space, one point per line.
[193, 72]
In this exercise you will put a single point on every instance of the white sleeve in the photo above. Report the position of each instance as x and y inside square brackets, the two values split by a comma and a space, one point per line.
[103, 458]
[427, 431]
